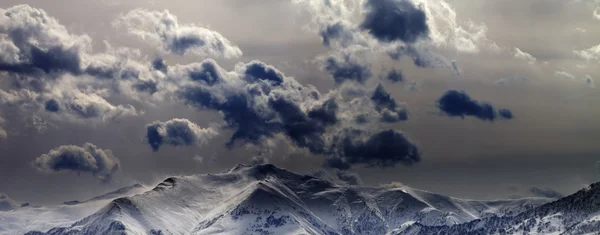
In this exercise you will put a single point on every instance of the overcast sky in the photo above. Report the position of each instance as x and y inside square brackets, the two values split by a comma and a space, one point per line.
[477, 99]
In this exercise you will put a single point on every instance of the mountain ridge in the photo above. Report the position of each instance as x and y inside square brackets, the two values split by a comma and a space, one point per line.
[265, 199]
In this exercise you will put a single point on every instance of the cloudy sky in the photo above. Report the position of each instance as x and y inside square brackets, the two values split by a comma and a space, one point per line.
[469, 98]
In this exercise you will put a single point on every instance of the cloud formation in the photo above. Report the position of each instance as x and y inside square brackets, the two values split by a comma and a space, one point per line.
[525, 56]
[395, 20]
[347, 67]
[387, 106]
[163, 28]
[86, 159]
[3, 133]
[34, 43]
[446, 31]
[564, 75]
[455, 103]
[348, 177]
[545, 192]
[592, 53]
[49, 68]
[177, 132]
[382, 149]
[395, 76]
[258, 102]
[589, 81]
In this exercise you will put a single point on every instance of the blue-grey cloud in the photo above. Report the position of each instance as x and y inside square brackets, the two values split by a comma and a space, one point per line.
[506, 114]
[258, 70]
[163, 28]
[347, 67]
[395, 20]
[102, 164]
[177, 132]
[387, 106]
[340, 33]
[395, 76]
[383, 149]
[545, 192]
[258, 102]
[52, 105]
[457, 103]
[159, 64]
[348, 177]
[589, 81]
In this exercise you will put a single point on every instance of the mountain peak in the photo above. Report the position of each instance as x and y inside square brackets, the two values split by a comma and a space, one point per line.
[262, 171]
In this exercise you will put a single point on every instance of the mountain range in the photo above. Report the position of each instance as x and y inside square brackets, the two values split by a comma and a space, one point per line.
[264, 199]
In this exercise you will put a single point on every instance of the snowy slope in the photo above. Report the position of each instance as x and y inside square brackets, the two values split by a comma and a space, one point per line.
[578, 213]
[267, 200]
[27, 218]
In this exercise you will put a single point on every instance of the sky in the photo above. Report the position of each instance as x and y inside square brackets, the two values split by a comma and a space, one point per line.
[476, 99]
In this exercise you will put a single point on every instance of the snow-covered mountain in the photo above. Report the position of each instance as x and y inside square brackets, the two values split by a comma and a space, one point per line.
[578, 213]
[265, 199]
[20, 220]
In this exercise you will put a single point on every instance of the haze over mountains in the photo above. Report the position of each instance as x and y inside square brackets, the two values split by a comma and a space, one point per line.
[264, 199]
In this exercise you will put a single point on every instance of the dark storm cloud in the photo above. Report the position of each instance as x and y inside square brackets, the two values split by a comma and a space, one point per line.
[395, 20]
[545, 192]
[259, 102]
[86, 159]
[52, 105]
[348, 177]
[177, 132]
[387, 106]
[346, 67]
[395, 76]
[457, 103]
[383, 149]
[163, 28]
[258, 70]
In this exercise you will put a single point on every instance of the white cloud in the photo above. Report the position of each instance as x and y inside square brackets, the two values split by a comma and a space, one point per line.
[447, 31]
[592, 53]
[564, 75]
[163, 28]
[597, 13]
[519, 54]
